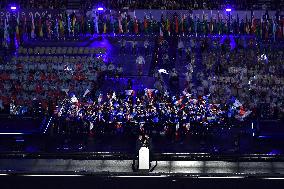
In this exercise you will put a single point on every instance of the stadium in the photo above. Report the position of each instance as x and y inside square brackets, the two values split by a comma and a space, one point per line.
[178, 93]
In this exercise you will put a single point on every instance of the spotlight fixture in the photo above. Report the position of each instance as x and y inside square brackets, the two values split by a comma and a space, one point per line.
[13, 8]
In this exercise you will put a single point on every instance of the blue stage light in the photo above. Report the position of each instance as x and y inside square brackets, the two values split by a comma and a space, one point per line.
[13, 8]
[228, 9]
[100, 9]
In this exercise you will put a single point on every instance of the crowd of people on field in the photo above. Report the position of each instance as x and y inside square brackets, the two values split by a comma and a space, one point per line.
[145, 112]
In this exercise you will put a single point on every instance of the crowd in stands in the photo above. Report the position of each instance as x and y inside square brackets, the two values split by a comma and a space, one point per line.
[35, 4]
[150, 4]
[190, 4]
[250, 72]
[43, 74]
[241, 67]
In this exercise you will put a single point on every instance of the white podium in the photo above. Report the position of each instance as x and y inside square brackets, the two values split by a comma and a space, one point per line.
[144, 162]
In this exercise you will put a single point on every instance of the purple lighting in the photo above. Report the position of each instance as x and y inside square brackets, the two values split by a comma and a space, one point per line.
[13, 8]
[100, 8]
[228, 9]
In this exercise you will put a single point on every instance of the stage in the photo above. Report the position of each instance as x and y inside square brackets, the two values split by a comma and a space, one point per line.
[30, 135]
[71, 173]
[118, 167]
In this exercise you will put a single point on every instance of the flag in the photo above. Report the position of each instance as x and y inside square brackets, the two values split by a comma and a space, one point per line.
[274, 29]
[145, 24]
[82, 24]
[258, 33]
[162, 19]
[195, 25]
[73, 23]
[253, 24]
[105, 27]
[6, 33]
[120, 25]
[33, 28]
[266, 30]
[190, 24]
[69, 23]
[238, 24]
[176, 24]
[25, 28]
[48, 25]
[57, 28]
[40, 28]
[96, 23]
[242, 114]
[128, 92]
[1, 105]
[112, 24]
[247, 27]
[136, 26]
[61, 27]
[203, 23]
[283, 28]
[211, 26]
[125, 25]
[17, 30]
[65, 90]
[279, 29]
[168, 26]
[86, 92]
[261, 27]
[161, 32]
[182, 24]
[218, 24]
[237, 103]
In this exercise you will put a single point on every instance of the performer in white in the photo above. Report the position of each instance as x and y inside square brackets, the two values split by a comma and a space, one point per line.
[96, 23]
[140, 61]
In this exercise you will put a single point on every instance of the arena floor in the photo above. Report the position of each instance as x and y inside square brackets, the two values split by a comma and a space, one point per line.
[125, 166]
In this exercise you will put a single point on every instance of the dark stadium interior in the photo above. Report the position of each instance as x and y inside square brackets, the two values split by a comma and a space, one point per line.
[87, 85]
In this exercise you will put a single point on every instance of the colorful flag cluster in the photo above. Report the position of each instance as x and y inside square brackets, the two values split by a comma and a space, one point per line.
[70, 25]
